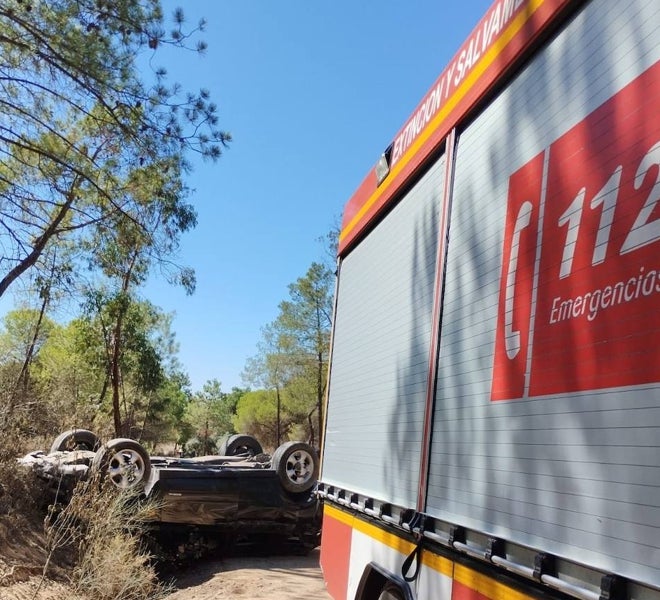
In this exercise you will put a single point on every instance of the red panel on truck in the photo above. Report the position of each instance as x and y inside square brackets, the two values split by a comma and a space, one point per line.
[336, 551]
[597, 304]
[599, 285]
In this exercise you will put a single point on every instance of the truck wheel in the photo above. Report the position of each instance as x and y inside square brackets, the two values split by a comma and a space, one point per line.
[240, 444]
[124, 462]
[391, 592]
[297, 466]
[75, 439]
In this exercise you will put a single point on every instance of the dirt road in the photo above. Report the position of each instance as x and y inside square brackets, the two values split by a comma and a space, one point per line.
[253, 578]
[247, 577]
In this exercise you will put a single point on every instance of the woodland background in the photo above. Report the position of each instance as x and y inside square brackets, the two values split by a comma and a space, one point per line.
[93, 201]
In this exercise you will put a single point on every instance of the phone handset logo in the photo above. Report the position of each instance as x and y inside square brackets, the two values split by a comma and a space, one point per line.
[511, 337]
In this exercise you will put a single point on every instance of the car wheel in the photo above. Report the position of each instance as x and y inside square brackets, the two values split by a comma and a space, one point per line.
[241, 444]
[75, 439]
[123, 462]
[297, 466]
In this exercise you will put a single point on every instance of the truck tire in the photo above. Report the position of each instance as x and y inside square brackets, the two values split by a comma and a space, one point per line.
[297, 466]
[238, 444]
[123, 462]
[391, 592]
[75, 439]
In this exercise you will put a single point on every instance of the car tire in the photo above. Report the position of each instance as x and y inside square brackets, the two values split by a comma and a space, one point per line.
[75, 439]
[297, 466]
[122, 462]
[239, 444]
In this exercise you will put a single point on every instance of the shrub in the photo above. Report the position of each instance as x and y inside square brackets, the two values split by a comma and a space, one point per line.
[106, 527]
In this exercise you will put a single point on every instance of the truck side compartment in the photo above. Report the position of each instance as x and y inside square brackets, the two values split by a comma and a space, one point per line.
[493, 410]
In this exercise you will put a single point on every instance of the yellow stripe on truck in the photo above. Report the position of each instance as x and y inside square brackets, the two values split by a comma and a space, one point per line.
[338, 515]
[470, 81]
[474, 580]
[438, 563]
[384, 537]
[486, 586]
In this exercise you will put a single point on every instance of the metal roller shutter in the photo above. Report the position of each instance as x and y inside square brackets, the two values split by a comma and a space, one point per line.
[572, 471]
[381, 349]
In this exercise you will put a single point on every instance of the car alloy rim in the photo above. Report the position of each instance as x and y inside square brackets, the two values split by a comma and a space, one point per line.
[300, 466]
[126, 468]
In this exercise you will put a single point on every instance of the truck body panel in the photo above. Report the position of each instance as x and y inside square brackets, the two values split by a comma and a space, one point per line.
[494, 386]
[380, 360]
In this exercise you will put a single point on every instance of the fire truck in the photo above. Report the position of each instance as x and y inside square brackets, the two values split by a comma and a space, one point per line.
[492, 424]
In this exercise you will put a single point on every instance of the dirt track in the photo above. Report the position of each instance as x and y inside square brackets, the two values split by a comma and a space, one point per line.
[279, 577]
[253, 578]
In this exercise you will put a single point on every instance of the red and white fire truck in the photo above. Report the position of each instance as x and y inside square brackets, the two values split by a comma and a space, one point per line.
[493, 414]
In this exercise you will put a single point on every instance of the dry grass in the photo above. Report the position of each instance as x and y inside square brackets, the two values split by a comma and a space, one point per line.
[105, 528]
[22, 549]
[89, 549]
[19, 490]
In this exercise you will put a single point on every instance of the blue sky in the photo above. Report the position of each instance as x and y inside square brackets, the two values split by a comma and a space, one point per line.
[312, 92]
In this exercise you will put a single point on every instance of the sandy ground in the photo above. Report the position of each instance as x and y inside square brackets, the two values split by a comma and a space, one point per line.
[279, 577]
[253, 578]
[34, 589]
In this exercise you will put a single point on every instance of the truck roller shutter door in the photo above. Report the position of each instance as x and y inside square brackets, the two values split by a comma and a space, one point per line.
[381, 349]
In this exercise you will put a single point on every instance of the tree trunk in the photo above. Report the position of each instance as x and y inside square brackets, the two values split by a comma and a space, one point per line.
[279, 408]
[115, 369]
[312, 436]
[23, 377]
[115, 374]
[319, 396]
[40, 243]
[205, 443]
[25, 369]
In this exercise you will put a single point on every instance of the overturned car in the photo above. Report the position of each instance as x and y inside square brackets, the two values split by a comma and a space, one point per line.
[240, 495]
